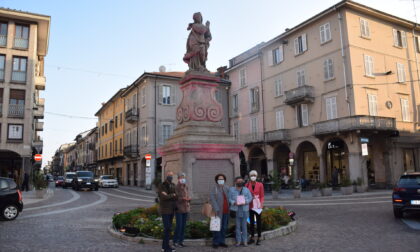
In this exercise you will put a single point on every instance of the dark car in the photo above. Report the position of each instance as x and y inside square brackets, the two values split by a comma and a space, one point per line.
[59, 181]
[85, 179]
[406, 195]
[10, 199]
[68, 179]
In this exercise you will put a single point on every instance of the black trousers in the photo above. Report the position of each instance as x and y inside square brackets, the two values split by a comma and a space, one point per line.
[252, 223]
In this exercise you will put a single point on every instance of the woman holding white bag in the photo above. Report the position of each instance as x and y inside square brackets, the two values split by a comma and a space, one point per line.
[256, 205]
[220, 204]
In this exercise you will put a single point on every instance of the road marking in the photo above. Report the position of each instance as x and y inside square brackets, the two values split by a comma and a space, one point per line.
[102, 199]
[328, 204]
[123, 197]
[324, 200]
[134, 194]
[414, 224]
[75, 196]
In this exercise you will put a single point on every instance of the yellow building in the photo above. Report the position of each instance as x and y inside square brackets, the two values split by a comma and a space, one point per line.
[111, 138]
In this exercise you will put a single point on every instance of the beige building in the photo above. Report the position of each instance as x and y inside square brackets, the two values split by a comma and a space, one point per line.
[23, 45]
[345, 78]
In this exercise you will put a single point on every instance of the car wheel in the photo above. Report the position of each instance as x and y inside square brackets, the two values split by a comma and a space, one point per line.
[398, 213]
[10, 212]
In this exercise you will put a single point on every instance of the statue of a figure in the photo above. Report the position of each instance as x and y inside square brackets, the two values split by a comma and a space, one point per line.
[197, 44]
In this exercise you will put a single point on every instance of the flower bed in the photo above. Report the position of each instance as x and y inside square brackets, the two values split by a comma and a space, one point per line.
[146, 222]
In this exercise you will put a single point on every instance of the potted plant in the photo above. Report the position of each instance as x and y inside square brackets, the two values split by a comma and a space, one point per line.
[359, 185]
[316, 192]
[346, 187]
[40, 185]
[326, 189]
[276, 184]
[296, 189]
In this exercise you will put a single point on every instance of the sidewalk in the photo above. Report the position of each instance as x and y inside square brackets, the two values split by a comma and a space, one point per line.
[287, 194]
[29, 197]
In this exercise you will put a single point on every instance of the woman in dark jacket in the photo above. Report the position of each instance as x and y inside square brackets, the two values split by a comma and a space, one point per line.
[219, 199]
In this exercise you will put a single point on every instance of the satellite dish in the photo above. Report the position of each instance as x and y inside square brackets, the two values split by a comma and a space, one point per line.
[162, 69]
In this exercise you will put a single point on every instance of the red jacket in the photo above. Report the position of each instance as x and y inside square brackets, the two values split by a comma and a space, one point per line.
[258, 190]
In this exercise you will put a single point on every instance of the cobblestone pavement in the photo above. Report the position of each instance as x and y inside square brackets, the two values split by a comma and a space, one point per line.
[77, 221]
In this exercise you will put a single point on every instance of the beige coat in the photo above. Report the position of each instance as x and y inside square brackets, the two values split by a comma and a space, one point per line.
[182, 205]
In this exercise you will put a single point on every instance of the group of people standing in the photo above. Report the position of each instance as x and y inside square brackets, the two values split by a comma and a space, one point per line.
[243, 201]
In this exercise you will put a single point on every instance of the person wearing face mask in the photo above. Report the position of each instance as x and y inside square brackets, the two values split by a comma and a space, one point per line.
[257, 191]
[182, 210]
[167, 206]
[219, 201]
[239, 199]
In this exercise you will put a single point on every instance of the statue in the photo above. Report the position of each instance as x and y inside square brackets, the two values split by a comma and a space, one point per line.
[197, 44]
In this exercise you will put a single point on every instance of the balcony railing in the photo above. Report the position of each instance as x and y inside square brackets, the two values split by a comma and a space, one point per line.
[251, 138]
[21, 43]
[39, 112]
[39, 126]
[18, 76]
[303, 94]
[131, 150]
[40, 102]
[3, 40]
[17, 110]
[132, 115]
[40, 82]
[255, 107]
[1, 74]
[277, 135]
[362, 122]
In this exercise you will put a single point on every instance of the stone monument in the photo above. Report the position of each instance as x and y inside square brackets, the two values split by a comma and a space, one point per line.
[200, 146]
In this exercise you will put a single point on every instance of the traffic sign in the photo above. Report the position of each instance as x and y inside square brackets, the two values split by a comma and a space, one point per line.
[38, 157]
[148, 157]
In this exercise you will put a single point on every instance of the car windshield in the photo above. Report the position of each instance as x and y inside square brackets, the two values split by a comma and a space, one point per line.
[107, 177]
[12, 184]
[85, 174]
[410, 180]
[70, 175]
[59, 177]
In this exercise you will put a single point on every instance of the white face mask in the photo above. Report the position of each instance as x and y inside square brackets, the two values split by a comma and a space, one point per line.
[182, 181]
[253, 178]
[220, 182]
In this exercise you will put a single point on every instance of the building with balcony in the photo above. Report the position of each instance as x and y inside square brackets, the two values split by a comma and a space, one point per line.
[339, 93]
[24, 40]
[86, 154]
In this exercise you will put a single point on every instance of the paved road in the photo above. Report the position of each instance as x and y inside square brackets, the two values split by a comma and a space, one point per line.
[77, 221]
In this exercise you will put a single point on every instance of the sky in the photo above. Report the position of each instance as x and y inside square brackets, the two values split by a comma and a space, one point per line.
[99, 46]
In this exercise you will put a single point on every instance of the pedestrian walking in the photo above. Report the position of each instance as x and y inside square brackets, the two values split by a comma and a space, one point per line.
[182, 210]
[167, 206]
[255, 207]
[219, 200]
[25, 184]
[239, 199]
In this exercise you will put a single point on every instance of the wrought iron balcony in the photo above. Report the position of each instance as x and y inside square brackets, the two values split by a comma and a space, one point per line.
[277, 135]
[303, 94]
[17, 110]
[40, 82]
[251, 138]
[132, 115]
[131, 150]
[362, 122]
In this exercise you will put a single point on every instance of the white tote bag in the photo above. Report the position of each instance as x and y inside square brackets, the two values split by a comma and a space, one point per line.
[215, 224]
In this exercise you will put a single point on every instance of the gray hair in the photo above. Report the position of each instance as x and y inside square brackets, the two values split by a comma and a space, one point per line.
[181, 174]
[253, 172]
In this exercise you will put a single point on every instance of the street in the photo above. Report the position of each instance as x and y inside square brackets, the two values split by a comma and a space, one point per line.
[77, 221]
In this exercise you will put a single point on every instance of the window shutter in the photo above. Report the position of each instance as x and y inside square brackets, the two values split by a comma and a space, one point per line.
[367, 28]
[362, 27]
[395, 36]
[327, 32]
[305, 115]
[404, 39]
[160, 90]
[404, 110]
[281, 53]
[331, 68]
[322, 33]
[269, 58]
[334, 107]
[296, 46]
[326, 70]
[372, 104]
[279, 119]
[328, 108]
[161, 134]
[304, 44]
[173, 96]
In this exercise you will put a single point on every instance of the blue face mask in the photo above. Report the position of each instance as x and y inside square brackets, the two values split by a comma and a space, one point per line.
[183, 181]
[169, 178]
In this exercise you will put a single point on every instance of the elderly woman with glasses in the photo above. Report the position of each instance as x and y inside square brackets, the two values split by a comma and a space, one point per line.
[255, 207]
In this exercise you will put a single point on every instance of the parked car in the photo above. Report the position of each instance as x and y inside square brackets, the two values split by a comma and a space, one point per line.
[85, 179]
[108, 181]
[68, 179]
[59, 181]
[10, 199]
[406, 194]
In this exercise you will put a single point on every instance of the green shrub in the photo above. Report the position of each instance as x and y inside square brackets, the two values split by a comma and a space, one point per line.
[273, 218]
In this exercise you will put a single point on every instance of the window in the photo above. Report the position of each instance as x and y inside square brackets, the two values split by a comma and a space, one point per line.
[400, 72]
[110, 125]
[328, 69]
[277, 55]
[21, 36]
[116, 147]
[302, 115]
[331, 107]
[110, 149]
[143, 97]
[242, 77]
[120, 144]
[166, 95]
[253, 99]
[218, 95]
[235, 103]
[19, 69]
[134, 101]
[17, 103]
[325, 33]
[279, 119]
[301, 77]
[300, 44]
[368, 66]
[144, 134]
[166, 132]
[3, 34]
[15, 132]
[103, 130]
[404, 110]
[400, 38]
[235, 130]
[121, 119]
[278, 85]
[106, 149]
[1, 104]
[2, 66]
[373, 105]
[116, 121]
[364, 28]
[254, 128]
[416, 41]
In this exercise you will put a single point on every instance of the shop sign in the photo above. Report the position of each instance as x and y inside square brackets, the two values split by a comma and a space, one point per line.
[364, 140]
[147, 162]
[364, 149]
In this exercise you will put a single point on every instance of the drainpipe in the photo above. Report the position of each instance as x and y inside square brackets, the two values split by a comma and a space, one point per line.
[155, 140]
[415, 112]
[343, 55]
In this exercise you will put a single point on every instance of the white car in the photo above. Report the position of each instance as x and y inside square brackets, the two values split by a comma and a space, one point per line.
[108, 181]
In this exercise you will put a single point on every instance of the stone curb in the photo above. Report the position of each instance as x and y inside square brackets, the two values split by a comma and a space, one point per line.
[282, 231]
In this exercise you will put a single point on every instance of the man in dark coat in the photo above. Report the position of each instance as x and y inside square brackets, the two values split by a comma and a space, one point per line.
[25, 184]
[167, 206]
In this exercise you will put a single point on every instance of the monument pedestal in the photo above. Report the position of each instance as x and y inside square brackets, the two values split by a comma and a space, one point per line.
[200, 147]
